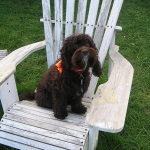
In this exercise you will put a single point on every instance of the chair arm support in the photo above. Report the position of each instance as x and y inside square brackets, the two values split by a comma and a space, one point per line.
[9, 63]
[109, 106]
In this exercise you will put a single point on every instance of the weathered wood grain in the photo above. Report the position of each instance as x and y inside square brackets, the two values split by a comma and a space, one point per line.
[22, 121]
[101, 23]
[23, 140]
[117, 28]
[72, 118]
[15, 144]
[48, 32]
[34, 106]
[69, 18]
[41, 131]
[81, 16]
[91, 21]
[79, 133]
[85, 101]
[58, 27]
[109, 106]
[110, 29]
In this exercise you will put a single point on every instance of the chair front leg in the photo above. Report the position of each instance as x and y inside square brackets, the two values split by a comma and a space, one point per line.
[93, 138]
[8, 93]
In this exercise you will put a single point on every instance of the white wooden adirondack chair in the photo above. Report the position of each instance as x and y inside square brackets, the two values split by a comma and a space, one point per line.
[24, 125]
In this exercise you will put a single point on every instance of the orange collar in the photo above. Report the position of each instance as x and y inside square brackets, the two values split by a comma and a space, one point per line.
[59, 67]
[78, 70]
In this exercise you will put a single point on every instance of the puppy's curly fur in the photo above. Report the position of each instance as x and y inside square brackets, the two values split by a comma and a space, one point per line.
[66, 85]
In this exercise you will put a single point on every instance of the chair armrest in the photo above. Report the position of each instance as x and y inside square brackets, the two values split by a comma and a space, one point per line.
[9, 63]
[109, 105]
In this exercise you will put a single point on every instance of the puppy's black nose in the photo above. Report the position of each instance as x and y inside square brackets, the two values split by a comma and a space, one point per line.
[85, 52]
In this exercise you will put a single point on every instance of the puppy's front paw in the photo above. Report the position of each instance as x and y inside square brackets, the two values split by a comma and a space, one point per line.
[80, 109]
[61, 115]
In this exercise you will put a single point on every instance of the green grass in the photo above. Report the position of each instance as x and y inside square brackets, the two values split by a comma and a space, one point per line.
[20, 26]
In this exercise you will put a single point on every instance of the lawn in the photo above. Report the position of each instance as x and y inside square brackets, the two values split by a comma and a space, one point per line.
[20, 26]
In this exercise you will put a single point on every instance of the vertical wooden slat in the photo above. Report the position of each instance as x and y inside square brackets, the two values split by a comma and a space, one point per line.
[69, 18]
[101, 22]
[91, 89]
[111, 64]
[81, 16]
[58, 27]
[92, 17]
[89, 30]
[48, 31]
[106, 42]
[98, 38]
[110, 29]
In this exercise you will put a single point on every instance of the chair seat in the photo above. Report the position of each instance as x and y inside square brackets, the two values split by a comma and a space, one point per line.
[25, 124]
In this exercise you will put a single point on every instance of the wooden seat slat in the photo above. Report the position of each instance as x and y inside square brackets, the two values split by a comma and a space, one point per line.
[41, 131]
[47, 126]
[46, 114]
[22, 121]
[26, 141]
[66, 122]
[16, 144]
[47, 111]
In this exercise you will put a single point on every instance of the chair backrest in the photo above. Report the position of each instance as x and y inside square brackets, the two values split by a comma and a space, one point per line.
[63, 18]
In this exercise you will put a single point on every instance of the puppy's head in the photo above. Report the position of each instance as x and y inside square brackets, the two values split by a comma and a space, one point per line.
[79, 52]
[84, 57]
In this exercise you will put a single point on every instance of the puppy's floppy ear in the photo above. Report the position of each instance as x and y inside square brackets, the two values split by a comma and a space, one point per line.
[97, 70]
